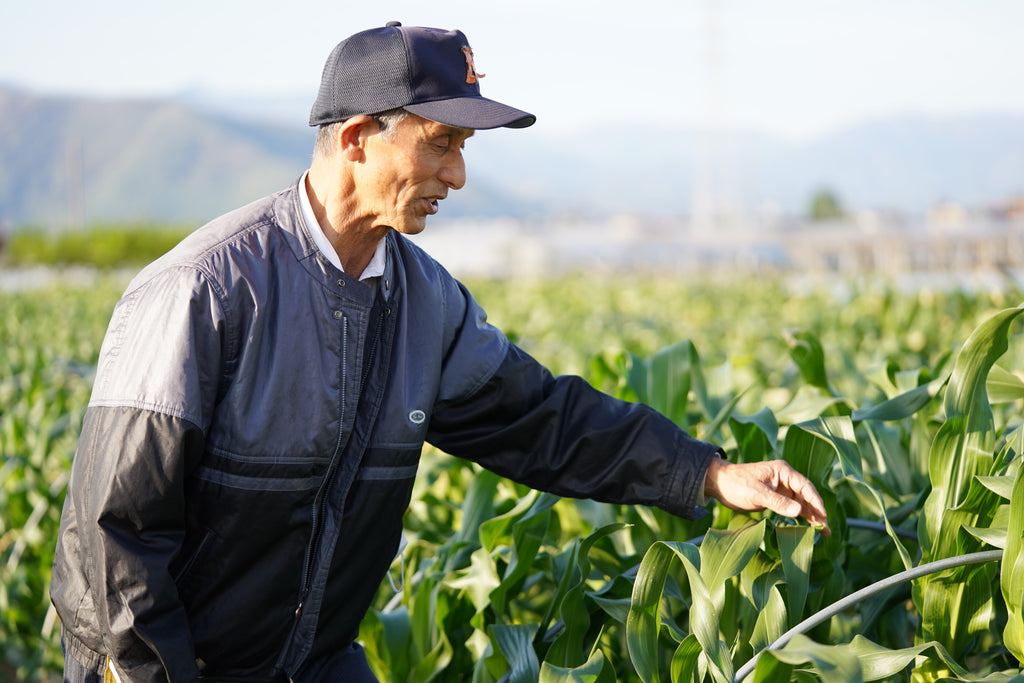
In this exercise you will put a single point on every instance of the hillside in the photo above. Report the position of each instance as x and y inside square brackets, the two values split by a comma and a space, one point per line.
[71, 160]
[66, 161]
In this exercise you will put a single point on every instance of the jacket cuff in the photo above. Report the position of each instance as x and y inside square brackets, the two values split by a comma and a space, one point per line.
[693, 458]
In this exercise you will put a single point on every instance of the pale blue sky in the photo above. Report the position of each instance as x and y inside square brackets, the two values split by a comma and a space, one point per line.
[792, 67]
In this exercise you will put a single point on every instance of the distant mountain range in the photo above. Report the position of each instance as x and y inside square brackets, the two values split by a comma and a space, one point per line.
[70, 160]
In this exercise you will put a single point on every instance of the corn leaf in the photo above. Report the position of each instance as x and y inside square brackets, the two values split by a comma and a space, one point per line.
[592, 671]
[957, 606]
[796, 546]
[686, 661]
[809, 356]
[515, 642]
[1011, 580]
[568, 647]
[902, 406]
[664, 381]
[831, 664]
[1002, 386]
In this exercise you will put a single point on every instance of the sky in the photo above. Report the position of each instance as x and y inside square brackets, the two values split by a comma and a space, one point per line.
[794, 68]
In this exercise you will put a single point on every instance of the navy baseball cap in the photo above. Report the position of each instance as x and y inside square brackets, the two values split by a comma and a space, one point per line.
[426, 71]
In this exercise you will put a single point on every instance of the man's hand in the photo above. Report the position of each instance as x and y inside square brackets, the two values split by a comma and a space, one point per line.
[771, 485]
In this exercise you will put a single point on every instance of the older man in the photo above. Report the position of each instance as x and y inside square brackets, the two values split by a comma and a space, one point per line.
[264, 391]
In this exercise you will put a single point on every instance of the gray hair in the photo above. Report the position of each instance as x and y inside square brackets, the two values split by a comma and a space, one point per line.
[327, 135]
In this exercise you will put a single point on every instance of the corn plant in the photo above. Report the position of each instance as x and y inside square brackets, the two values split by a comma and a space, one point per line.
[753, 597]
[863, 387]
[49, 343]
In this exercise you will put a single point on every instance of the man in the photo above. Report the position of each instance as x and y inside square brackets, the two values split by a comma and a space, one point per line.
[264, 391]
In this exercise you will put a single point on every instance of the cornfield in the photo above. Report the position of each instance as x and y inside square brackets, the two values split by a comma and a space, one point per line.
[904, 408]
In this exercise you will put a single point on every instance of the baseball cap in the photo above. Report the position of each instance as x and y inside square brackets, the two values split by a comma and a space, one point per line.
[426, 71]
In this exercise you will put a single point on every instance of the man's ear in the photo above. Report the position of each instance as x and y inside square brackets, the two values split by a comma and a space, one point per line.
[352, 136]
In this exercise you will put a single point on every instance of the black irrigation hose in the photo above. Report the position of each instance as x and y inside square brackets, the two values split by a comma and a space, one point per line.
[867, 592]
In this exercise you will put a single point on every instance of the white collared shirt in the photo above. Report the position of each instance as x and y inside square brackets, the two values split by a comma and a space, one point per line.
[375, 268]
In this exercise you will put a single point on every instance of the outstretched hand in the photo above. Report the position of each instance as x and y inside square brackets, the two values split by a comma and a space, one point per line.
[770, 485]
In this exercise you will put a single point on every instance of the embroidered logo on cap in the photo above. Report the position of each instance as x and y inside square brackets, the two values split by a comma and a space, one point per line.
[471, 73]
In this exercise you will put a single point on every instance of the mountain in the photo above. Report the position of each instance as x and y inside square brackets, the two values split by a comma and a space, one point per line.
[906, 164]
[66, 158]
[70, 160]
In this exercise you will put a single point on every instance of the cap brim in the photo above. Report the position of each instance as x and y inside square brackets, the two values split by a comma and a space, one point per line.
[477, 113]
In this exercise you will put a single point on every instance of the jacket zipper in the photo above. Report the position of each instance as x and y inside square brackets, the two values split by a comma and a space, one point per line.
[321, 495]
[320, 501]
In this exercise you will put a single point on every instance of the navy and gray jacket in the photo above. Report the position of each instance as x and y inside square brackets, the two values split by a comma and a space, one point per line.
[253, 436]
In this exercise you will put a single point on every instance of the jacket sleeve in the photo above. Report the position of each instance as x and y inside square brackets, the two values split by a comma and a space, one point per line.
[561, 435]
[143, 432]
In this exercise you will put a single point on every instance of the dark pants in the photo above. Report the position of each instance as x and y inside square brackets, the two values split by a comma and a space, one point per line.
[349, 666]
[77, 672]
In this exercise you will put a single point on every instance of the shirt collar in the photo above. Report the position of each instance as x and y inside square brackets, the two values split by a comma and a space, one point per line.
[375, 268]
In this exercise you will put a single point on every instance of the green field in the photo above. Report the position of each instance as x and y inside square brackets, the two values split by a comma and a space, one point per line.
[904, 407]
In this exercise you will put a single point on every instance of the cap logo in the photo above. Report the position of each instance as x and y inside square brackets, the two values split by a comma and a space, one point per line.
[471, 74]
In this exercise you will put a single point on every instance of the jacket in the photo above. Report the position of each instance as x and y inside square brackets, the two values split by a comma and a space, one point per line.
[253, 434]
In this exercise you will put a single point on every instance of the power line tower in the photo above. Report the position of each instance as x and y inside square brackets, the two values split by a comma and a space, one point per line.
[715, 205]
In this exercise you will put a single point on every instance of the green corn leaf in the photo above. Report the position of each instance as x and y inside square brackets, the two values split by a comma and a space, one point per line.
[527, 536]
[568, 648]
[1011, 581]
[686, 661]
[995, 533]
[814, 457]
[387, 638]
[589, 672]
[860, 659]
[879, 662]
[756, 435]
[491, 530]
[431, 664]
[664, 381]
[643, 623]
[477, 581]
[705, 618]
[711, 431]
[839, 433]
[902, 406]
[724, 554]
[769, 669]
[796, 546]
[1002, 386]
[1002, 486]
[424, 619]
[954, 606]
[807, 404]
[772, 621]
[515, 642]
[963, 446]
[891, 470]
[809, 356]
[831, 664]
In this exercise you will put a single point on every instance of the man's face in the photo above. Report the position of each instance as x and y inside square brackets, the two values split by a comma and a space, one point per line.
[406, 176]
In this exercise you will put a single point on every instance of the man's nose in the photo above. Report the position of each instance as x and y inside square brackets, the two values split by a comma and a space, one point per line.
[453, 172]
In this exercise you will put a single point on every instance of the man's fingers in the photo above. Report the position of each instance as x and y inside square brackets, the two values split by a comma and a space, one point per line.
[813, 508]
[771, 485]
[778, 503]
